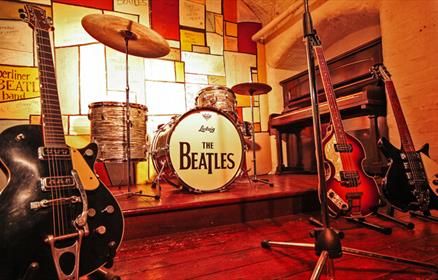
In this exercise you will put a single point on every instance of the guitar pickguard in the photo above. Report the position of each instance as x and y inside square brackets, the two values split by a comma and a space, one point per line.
[334, 157]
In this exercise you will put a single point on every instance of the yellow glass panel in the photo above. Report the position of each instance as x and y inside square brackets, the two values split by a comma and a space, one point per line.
[217, 80]
[67, 76]
[35, 119]
[216, 43]
[230, 44]
[68, 27]
[9, 10]
[219, 23]
[174, 54]
[210, 24]
[214, 6]
[199, 63]
[191, 14]
[179, 71]
[79, 125]
[159, 70]
[231, 29]
[201, 49]
[16, 43]
[189, 38]
[18, 83]
[145, 172]
[241, 64]
[77, 141]
[140, 8]
[243, 100]
[92, 75]
[246, 112]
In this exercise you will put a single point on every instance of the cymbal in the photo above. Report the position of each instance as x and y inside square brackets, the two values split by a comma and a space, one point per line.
[251, 88]
[112, 32]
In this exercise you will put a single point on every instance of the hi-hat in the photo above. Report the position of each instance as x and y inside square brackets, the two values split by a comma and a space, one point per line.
[112, 31]
[251, 88]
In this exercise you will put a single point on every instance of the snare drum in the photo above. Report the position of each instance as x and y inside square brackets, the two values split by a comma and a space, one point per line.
[108, 130]
[218, 97]
[201, 150]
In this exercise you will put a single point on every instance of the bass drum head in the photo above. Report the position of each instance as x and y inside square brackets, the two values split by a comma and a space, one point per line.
[206, 150]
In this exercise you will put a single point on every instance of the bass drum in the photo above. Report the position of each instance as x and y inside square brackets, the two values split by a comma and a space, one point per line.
[201, 151]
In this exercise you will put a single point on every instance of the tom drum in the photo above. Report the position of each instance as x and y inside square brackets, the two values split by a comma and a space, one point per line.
[218, 97]
[108, 130]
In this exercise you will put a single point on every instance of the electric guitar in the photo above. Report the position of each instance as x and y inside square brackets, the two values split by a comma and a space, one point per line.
[411, 181]
[57, 220]
[350, 191]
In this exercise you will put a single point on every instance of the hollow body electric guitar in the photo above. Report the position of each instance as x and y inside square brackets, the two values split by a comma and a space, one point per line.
[350, 191]
[411, 182]
[57, 220]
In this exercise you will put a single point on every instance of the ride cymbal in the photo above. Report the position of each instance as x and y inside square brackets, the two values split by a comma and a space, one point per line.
[251, 88]
[113, 31]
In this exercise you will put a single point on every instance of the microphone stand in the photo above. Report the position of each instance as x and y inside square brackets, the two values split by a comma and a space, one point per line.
[327, 240]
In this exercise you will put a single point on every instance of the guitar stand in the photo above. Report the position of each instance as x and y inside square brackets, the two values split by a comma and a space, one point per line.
[31, 271]
[362, 221]
[389, 215]
[102, 274]
[426, 215]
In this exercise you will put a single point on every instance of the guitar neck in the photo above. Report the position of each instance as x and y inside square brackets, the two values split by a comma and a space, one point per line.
[51, 117]
[330, 95]
[405, 137]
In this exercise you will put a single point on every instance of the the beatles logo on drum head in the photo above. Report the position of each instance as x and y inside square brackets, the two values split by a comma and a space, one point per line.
[206, 153]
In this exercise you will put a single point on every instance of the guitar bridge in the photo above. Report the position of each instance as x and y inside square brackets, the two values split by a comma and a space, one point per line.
[354, 201]
[350, 178]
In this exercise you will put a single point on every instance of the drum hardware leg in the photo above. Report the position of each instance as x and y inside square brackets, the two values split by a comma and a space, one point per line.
[327, 243]
[255, 179]
[31, 271]
[423, 215]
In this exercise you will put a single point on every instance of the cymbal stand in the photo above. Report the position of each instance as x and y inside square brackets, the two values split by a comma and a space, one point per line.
[327, 241]
[128, 35]
[254, 178]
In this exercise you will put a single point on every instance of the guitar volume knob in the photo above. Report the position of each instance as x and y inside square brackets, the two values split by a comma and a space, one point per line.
[101, 230]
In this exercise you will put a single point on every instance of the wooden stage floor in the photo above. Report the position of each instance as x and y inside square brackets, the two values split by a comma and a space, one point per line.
[160, 242]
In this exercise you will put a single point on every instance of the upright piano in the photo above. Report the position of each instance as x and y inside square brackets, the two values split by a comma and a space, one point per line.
[360, 99]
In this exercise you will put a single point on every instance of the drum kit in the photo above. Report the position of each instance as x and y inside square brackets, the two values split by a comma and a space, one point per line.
[200, 151]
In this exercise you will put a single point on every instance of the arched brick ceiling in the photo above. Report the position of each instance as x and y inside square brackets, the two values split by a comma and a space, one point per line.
[333, 20]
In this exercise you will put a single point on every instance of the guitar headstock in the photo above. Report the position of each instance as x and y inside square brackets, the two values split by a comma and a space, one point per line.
[36, 17]
[379, 71]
